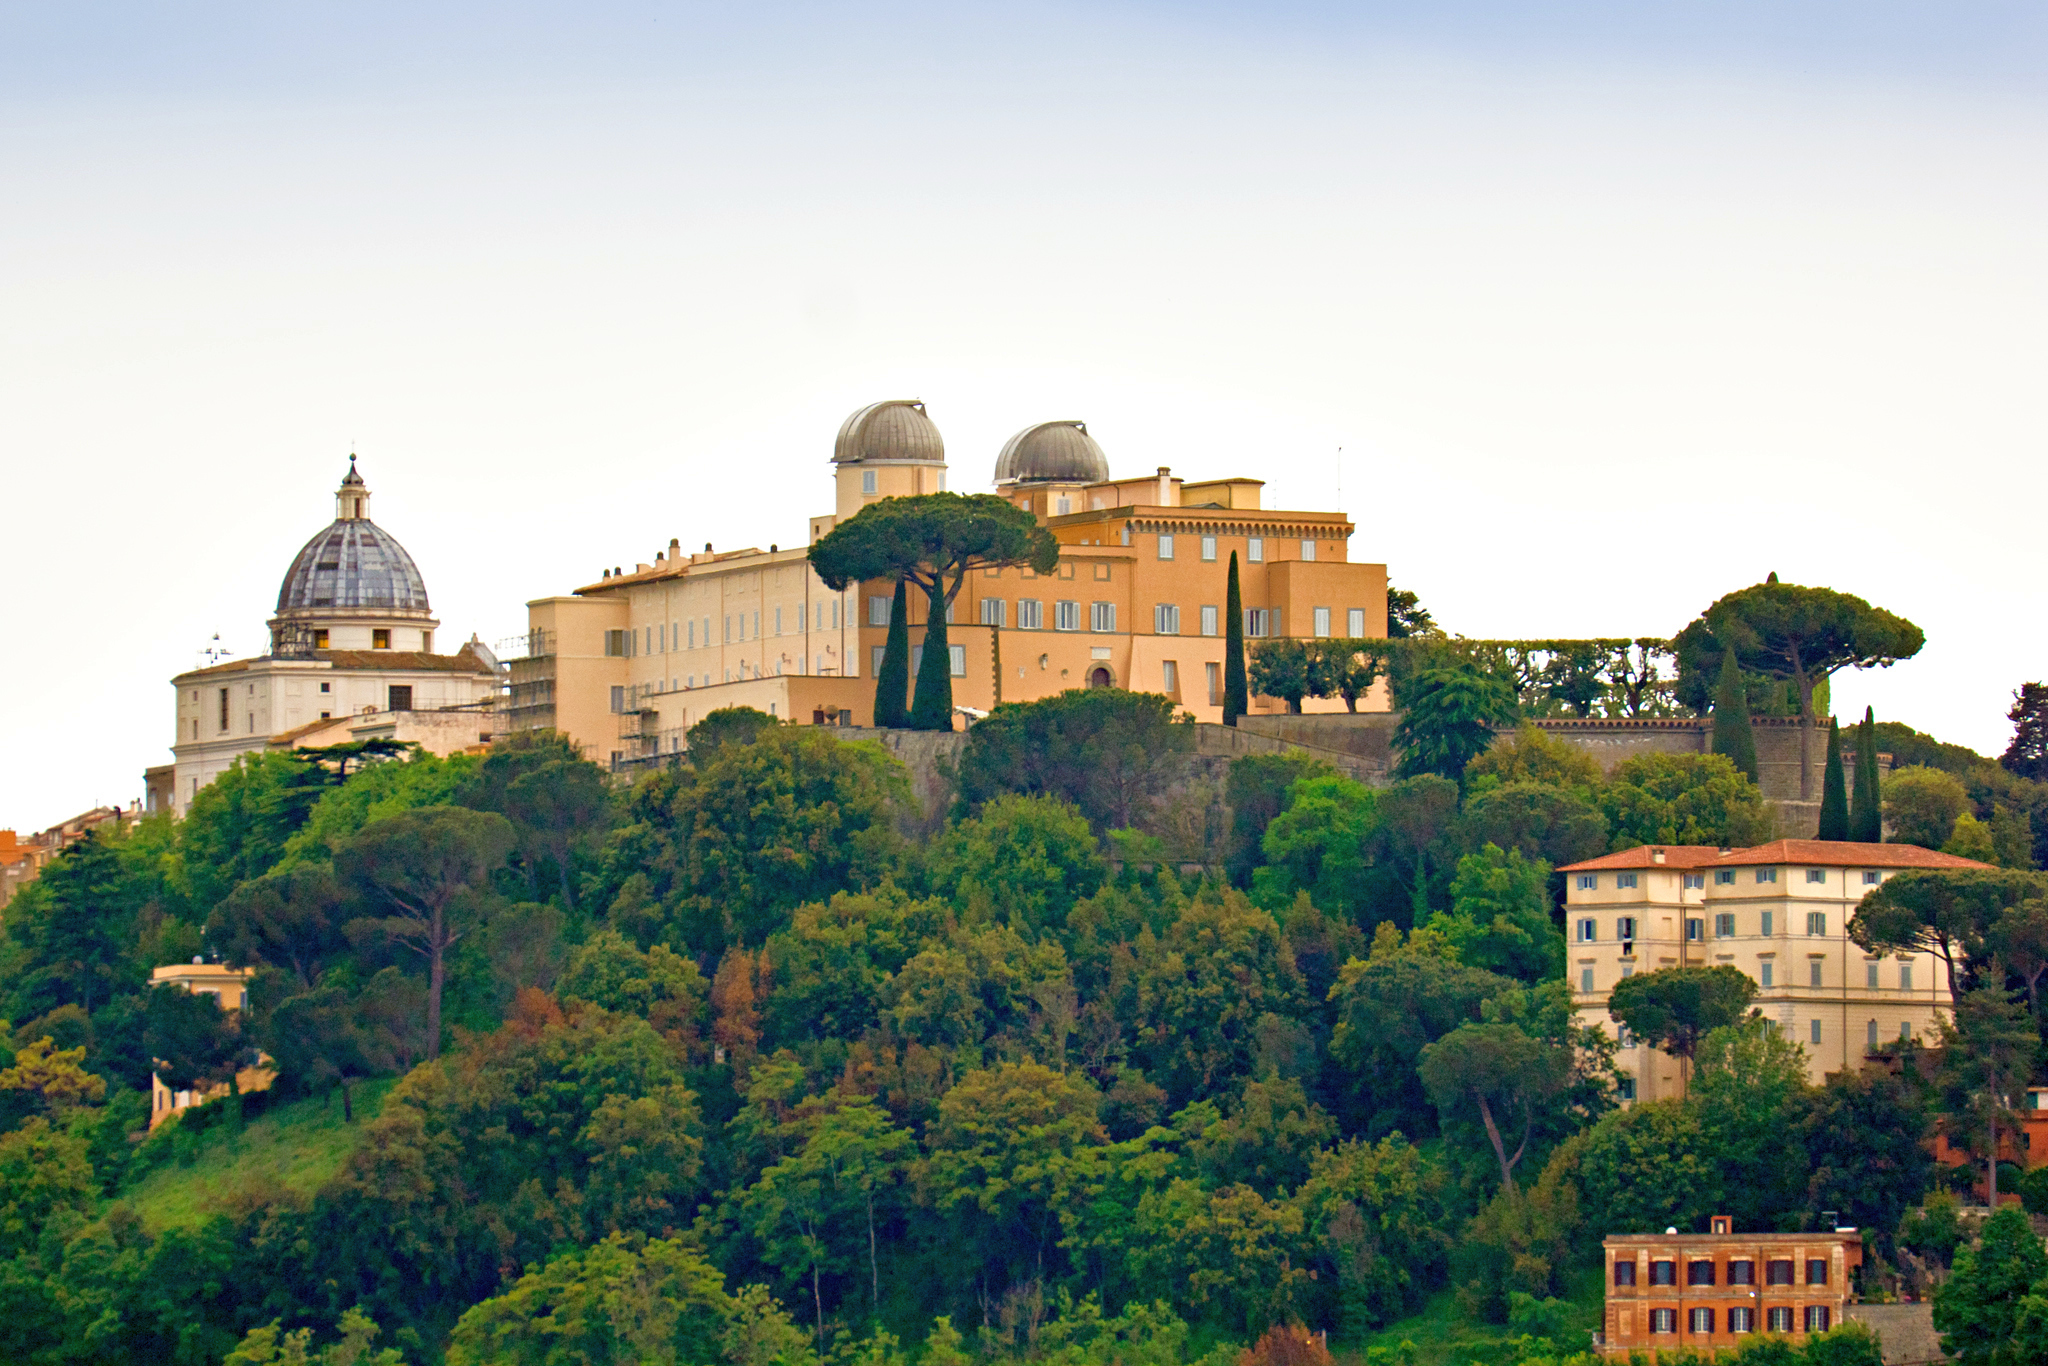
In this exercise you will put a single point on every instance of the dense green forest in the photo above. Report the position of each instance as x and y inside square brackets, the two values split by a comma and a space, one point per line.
[752, 1059]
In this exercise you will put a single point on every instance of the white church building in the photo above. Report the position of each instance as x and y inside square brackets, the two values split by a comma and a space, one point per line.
[351, 658]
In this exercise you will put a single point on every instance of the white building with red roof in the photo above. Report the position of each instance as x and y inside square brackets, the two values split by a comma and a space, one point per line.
[1779, 912]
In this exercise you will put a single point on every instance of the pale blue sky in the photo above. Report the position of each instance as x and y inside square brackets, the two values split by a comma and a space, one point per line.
[1612, 307]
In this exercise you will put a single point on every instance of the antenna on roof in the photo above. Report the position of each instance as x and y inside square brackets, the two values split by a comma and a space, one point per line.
[1340, 479]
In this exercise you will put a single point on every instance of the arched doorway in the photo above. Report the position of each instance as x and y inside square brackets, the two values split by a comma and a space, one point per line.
[1098, 677]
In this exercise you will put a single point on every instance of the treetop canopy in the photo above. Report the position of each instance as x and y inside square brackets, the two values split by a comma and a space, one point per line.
[1796, 633]
[933, 540]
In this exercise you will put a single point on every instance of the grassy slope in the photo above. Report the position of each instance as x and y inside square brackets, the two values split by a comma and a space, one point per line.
[296, 1146]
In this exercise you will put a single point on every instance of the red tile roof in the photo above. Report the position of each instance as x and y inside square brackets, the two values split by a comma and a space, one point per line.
[1816, 853]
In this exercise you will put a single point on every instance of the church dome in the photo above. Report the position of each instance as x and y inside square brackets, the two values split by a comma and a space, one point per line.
[895, 429]
[353, 565]
[1052, 451]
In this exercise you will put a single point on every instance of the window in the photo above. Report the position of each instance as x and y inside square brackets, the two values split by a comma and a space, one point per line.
[1663, 1320]
[1724, 877]
[1215, 672]
[1102, 616]
[618, 699]
[1816, 875]
[867, 481]
[1870, 877]
[1816, 1318]
[1627, 1089]
[994, 612]
[1724, 925]
[1813, 970]
[399, 697]
[1589, 930]
[223, 711]
[1780, 1317]
[1816, 1271]
[1586, 980]
[1258, 622]
[757, 625]
[1208, 621]
[320, 638]
[1624, 1272]
[1625, 928]
[1209, 547]
[1700, 1320]
[1308, 551]
[1166, 619]
[778, 621]
[1695, 879]
[958, 659]
[1169, 676]
[1815, 1030]
[1905, 977]
[1354, 623]
[1588, 882]
[1871, 1040]
[1166, 547]
[380, 638]
[1699, 1272]
[1769, 920]
[1817, 922]
[878, 611]
[743, 627]
[1905, 1032]
[1764, 970]
[1255, 549]
[1624, 880]
[1030, 614]
[1742, 1319]
[1062, 506]
[1741, 1271]
[1322, 623]
[1663, 1273]
[1767, 875]
[1695, 929]
[875, 664]
[1066, 616]
[1778, 1271]
[1870, 974]
[326, 687]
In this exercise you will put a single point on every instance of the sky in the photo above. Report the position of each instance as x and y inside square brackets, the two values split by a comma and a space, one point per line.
[1587, 313]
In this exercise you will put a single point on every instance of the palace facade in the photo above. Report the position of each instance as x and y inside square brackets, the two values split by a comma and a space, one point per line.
[627, 664]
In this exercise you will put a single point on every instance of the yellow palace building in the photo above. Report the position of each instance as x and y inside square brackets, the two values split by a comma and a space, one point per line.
[627, 664]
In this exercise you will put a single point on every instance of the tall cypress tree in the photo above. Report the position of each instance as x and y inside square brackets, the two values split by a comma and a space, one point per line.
[1733, 734]
[892, 680]
[1866, 812]
[1236, 693]
[1834, 789]
[932, 707]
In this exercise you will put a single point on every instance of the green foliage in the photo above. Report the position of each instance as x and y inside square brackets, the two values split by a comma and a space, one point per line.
[1797, 634]
[726, 726]
[46, 1179]
[1990, 1310]
[651, 1301]
[1256, 791]
[1865, 1139]
[1922, 805]
[1685, 799]
[1649, 1167]
[1288, 668]
[1954, 912]
[1972, 840]
[1673, 1009]
[892, 679]
[1532, 756]
[1236, 686]
[194, 1042]
[267, 1346]
[1866, 812]
[1320, 845]
[1515, 1252]
[1734, 735]
[1539, 820]
[1376, 1220]
[1102, 749]
[1023, 860]
[239, 825]
[1502, 1072]
[1750, 1088]
[1448, 718]
[1500, 916]
[289, 920]
[379, 791]
[2027, 755]
[1391, 1007]
[931, 703]
[1834, 790]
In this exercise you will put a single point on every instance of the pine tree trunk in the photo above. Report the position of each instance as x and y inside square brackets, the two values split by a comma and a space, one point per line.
[436, 975]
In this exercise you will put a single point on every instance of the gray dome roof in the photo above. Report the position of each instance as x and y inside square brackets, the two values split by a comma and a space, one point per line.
[353, 564]
[895, 429]
[1060, 451]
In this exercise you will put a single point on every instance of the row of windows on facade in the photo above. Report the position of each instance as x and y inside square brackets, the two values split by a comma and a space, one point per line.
[1723, 877]
[1741, 1271]
[1778, 1318]
[683, 635]
[628, 697]
[1254, 549]
[380, 639]
[398, 697]
[1587, 929]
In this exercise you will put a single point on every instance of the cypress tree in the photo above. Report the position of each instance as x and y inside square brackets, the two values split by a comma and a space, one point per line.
[1236, 694]
[1733, 735]
[932, 707]
[1834, 789]
[892, 680]
[1866, 813]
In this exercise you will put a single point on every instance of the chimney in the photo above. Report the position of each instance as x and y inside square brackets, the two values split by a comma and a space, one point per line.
[1656, 856]
[1165, 487]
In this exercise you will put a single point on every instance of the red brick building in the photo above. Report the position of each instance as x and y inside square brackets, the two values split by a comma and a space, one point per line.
[1715, 1290]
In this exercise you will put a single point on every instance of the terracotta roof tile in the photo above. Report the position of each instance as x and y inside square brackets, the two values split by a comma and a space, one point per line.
[1816, 853]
